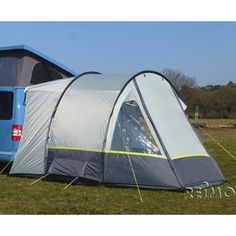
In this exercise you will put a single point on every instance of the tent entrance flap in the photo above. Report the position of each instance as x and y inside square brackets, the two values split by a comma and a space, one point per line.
[130, 129]
[176, 133]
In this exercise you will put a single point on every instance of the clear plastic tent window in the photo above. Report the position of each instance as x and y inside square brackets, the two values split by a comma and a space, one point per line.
[131, 131]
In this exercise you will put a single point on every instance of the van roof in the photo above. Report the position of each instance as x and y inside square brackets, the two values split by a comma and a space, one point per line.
[39, 54]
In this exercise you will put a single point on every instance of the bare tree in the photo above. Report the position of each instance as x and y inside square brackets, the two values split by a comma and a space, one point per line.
[179, 79]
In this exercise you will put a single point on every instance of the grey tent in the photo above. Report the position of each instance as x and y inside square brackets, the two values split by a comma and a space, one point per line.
[117, 130]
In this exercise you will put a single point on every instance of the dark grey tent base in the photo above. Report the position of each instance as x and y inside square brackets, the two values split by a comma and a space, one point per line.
[118, 172]
[90, 182]
[69, 179]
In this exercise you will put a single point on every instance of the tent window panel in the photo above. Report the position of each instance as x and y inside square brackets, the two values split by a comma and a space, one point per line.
[132, 133]
[44, 73]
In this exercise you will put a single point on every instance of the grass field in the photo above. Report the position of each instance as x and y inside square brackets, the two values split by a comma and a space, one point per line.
[18, 197]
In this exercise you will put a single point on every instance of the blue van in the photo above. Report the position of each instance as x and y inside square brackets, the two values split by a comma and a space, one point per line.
[21, 66]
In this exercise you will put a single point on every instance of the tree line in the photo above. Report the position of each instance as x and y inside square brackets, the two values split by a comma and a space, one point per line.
[212, 101]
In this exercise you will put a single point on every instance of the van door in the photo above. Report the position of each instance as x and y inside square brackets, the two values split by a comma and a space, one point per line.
[6, 123]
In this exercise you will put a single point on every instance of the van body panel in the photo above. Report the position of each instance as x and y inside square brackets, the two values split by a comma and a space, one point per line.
[11, 113]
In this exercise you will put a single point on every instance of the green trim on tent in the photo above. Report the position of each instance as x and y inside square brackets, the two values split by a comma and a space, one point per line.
[124, 152]
[190, 155]
[107, 151]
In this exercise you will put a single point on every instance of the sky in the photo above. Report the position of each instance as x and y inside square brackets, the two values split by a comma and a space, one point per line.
[203, 50]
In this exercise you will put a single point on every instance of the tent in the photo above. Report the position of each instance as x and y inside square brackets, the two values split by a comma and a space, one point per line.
[23, 66]
[118, 130]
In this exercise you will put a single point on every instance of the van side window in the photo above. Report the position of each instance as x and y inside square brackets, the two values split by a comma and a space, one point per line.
[6, 105]
[132, 133]
[44, 73]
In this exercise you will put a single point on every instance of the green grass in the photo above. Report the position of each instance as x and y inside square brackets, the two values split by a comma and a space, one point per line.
[18, 197]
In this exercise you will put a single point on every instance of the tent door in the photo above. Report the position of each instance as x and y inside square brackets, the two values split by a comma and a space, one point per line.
[129, 124]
